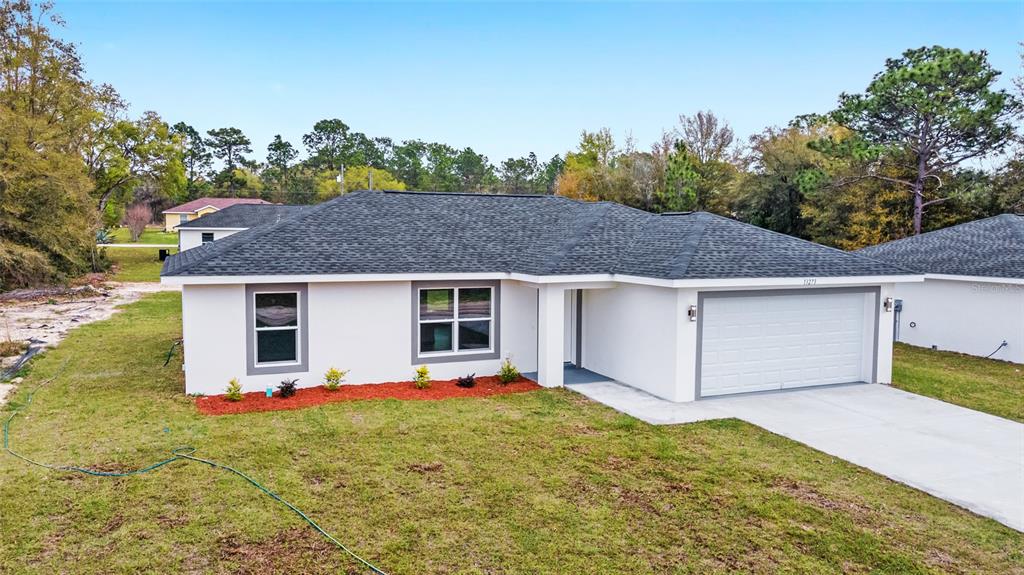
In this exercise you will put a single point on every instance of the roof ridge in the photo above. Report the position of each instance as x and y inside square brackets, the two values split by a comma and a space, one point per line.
[225, 245]
[682, 262]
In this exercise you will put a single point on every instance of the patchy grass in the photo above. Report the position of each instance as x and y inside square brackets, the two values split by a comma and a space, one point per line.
[155, 235]
[10, 348]
[988, 385]
[135, 264]
[540, 482]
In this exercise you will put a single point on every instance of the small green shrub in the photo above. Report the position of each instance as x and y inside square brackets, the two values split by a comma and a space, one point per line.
[508, 372]
[234, 390]
[333, 378]
[467, 381]
[422, 379]
[287, 387]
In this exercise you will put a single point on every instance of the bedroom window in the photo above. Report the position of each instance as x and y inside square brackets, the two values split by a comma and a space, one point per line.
[455, 322]
[277, 327]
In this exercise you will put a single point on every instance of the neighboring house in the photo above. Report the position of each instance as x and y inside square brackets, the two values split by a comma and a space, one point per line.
[232, 219]
[680, 305]
[196, 208]
[972, 299]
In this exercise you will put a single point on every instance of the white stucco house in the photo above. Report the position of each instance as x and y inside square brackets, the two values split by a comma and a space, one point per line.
[236, 218]
[683, 306]
[972, 298]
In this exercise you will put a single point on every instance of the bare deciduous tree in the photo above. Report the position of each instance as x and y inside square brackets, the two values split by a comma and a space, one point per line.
[707, 137]
[137, 217]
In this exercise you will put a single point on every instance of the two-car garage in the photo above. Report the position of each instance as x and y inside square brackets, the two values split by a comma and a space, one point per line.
[781, 339]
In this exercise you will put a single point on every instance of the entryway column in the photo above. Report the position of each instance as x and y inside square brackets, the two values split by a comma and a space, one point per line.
[550, 335]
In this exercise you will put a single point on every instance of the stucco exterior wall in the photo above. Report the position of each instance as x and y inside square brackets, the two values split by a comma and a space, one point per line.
[188, 239]
[171, 220]
[964, 316]
[362, 327]
[631, 334]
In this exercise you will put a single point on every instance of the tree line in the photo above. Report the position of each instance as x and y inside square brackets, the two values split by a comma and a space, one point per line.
[913, 152]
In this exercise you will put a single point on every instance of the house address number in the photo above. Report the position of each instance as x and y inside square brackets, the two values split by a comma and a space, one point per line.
[810, 281]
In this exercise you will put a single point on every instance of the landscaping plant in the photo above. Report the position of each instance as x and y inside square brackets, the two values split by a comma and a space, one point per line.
[508, 372]
[333, 378]
[234, 390]
[287, 387]
[422, 379]
[467, 381]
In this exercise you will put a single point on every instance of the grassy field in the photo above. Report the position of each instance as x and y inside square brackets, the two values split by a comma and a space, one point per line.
[135, 264]
[150, 236]
[541, 482]
[995, 387]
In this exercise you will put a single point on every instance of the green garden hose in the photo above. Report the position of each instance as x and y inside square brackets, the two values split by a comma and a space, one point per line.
[179, 454]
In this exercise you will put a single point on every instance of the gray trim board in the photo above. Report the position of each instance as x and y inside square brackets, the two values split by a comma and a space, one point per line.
[250, 329]
[701, 296]
[456, 357]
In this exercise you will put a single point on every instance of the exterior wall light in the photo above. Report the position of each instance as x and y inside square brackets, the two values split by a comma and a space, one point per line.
[692, 313]
[889, 303]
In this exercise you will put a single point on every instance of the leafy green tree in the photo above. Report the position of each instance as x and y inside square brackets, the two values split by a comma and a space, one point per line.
[278, 172]
[518, 174]
[328, 144]
[549, 173]
[929, 111]
[196, 157]
[407, 163]
[473, 171]
[358, 178]
[122, 154]
[47, 216]
[229, 145]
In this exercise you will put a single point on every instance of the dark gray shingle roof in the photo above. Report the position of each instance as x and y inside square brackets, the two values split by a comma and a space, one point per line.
[244, 216]
[993, 247]
[417, 232]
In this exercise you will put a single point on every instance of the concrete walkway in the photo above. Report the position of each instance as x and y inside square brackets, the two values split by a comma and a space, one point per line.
[168, 246]
[966, 457]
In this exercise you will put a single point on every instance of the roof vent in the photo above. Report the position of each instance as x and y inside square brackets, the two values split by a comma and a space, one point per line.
[676, 213]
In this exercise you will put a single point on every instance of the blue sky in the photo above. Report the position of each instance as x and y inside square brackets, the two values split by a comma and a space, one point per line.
[508, 79]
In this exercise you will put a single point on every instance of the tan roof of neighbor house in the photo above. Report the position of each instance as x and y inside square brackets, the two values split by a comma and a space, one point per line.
[219, 203]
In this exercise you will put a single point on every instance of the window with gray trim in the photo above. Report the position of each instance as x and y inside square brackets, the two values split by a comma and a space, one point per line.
[456, 321]
[207, 237]
[277, 327]
[276, 332]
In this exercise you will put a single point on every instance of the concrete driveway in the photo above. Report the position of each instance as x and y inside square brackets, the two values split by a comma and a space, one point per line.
[968, 458]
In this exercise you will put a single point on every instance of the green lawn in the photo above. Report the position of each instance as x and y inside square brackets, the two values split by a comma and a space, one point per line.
[150, 236]
[988, 385]
[135, 264]
[541, 482]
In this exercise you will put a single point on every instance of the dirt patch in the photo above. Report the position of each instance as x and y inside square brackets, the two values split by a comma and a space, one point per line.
[404, 390]
[295, 550]
[808, 494]
[432, 467]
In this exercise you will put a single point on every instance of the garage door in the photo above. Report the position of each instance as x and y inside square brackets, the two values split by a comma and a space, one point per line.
[780, 340]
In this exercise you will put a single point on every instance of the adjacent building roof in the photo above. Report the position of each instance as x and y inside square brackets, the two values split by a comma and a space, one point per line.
[993, 247]
[372, 232]
[219, 203]
[244, 216]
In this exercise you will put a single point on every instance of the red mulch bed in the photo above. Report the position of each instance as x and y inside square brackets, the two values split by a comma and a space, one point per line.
[306, 397]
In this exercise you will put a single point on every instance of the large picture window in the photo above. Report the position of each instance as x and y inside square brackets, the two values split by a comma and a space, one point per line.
[455, 321]
[276, 319]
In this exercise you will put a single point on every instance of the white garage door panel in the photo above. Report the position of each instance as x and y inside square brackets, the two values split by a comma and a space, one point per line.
[761, 343]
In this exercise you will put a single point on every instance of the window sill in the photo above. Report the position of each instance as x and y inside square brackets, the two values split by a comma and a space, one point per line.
[456, 357]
